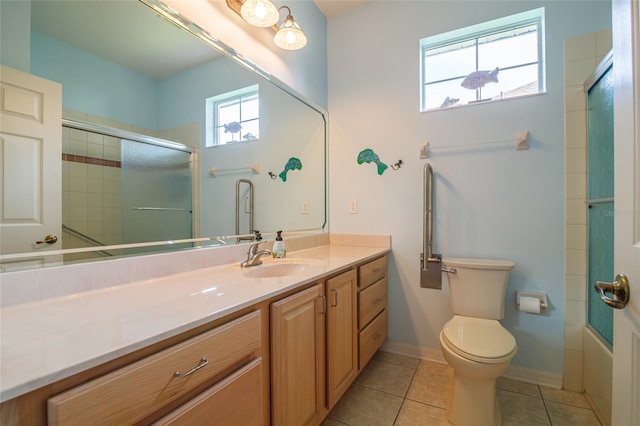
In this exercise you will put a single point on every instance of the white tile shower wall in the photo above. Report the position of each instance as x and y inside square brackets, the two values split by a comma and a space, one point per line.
[581, 55]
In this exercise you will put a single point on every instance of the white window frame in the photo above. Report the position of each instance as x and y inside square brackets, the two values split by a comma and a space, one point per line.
[474, 32]
[211, 111]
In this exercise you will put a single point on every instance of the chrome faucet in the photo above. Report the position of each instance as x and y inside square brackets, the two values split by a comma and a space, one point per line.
[253, 256]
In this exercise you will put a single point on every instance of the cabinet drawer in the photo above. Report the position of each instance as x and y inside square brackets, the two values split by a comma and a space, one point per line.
[131, 393]
[371, 272]
[236, 400]
[371, 301]
[372, 337]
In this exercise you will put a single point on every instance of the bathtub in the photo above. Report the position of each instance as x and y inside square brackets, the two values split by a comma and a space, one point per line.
[597, 374]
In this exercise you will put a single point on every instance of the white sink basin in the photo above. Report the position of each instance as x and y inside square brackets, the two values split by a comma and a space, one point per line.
[279, 268]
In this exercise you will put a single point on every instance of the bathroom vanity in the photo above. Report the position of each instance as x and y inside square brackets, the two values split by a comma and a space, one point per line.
[277, 343]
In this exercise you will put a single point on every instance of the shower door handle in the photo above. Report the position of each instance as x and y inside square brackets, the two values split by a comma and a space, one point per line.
[619, 288]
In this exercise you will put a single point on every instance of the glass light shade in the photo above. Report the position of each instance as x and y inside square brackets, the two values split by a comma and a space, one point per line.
[290, 36]
[260, 13]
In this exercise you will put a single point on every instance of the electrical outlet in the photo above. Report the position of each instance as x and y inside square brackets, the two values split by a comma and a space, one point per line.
[353, 207]
[305, 207]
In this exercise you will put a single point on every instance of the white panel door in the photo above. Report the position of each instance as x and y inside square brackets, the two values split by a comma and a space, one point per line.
[31, 161]
[626, 321]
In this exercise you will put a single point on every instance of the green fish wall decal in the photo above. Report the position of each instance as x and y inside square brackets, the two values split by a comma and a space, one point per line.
[293, 164]
[368, 156]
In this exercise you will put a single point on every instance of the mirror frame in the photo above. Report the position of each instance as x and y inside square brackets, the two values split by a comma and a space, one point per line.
[186, 24]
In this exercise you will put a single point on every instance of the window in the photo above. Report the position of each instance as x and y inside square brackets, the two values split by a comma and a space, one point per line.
[494, 60]
[233, 117]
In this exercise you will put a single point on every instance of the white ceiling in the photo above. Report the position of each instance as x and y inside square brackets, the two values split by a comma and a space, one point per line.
[333, 7]
[125, 32]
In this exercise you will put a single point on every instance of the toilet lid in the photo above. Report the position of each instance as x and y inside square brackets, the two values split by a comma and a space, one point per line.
[479, 339]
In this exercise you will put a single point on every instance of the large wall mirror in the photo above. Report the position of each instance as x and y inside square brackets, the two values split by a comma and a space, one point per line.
[167, 136]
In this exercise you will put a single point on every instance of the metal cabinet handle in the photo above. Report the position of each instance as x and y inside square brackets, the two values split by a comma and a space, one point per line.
[49, 239]
[203, 362]
[619, 288]
[376, 301]
[377, 336]
[376, 270]
[324, 304]
[335, 292]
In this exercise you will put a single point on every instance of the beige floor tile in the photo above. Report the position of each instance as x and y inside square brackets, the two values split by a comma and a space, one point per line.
[518, 409]
[564, 396]
[432, 385]
[390, 378]
[431, 367]
[331, 422]
[405, 361]
[568, 415]
[367, 407]
[376, 398]
[416, 414]
[518, 386]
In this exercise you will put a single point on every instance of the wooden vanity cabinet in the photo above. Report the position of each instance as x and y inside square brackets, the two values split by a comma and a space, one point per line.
[372, 308]
[284, 361]
[344, 318]
[221, 367]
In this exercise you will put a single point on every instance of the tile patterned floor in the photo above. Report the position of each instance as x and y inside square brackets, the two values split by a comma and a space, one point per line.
[403, 391]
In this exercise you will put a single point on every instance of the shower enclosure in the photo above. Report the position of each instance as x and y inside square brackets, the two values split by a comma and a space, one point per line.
[120, 187]
[600, 193]
[598, 340]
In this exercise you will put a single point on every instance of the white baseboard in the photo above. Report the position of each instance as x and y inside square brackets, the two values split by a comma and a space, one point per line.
[412, 351]
[537, 377]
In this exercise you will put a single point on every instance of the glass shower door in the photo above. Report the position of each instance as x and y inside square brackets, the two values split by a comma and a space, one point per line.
[156, 200]
[601, 204]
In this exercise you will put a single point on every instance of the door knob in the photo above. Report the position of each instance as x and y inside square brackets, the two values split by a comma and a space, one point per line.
[49, 239]
[619, 289]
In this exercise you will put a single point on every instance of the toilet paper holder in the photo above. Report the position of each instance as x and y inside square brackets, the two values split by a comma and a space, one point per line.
[542, 297]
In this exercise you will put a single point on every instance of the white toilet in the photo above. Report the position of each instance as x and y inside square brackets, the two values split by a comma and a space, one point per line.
[473, 342]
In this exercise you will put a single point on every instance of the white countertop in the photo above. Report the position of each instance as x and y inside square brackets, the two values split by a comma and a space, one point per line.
[45, 341]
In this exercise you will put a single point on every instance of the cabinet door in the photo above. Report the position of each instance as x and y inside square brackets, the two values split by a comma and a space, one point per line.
[342, 335]
[297, 357]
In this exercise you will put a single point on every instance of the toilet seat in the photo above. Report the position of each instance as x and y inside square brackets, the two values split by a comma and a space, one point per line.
[478, 339]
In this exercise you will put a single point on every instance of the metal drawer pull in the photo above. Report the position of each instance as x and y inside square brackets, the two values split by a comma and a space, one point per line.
[203, 362]
[335, 292]
[376, 270]
[377, 336]
[376, 301]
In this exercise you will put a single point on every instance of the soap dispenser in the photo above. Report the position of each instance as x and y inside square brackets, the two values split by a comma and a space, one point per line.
[279, 250]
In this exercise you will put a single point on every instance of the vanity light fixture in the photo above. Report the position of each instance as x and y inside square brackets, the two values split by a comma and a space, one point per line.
[260, 13]
[263, 13]
[289, 35]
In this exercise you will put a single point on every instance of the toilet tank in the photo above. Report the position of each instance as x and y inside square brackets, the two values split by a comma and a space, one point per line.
[478, 287]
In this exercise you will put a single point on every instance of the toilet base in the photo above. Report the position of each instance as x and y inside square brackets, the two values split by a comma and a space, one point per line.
[474, 403]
